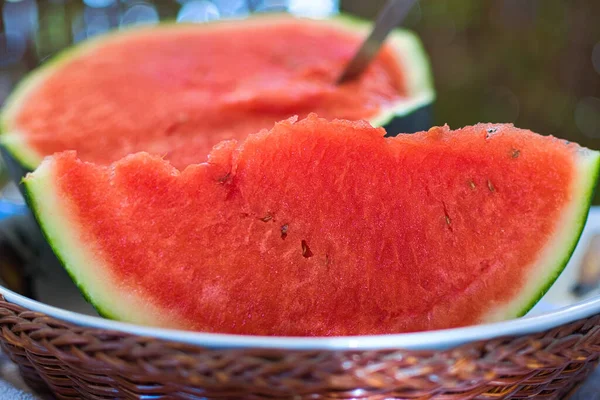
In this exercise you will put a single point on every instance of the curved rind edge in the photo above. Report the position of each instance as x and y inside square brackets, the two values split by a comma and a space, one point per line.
[416, 69]
[417, 72]
[10, 138]
[406, 42]
[107, 300]
[586, 175]
[592, 173]
[31, 202]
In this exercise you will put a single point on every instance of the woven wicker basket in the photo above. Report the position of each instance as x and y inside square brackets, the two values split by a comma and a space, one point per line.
[73, 361]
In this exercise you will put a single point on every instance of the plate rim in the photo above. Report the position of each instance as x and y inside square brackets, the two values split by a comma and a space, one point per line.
[429, 340]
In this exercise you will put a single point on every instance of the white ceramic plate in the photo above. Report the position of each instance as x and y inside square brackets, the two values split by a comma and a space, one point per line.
[558, 307]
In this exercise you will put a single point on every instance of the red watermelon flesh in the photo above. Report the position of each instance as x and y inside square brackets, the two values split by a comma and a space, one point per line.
[176, 91]
[322, 228]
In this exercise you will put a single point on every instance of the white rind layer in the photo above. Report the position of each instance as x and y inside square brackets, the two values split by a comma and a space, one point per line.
[83, 260]
[557, 252]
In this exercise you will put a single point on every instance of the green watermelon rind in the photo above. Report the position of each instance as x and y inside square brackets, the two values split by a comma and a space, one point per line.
[64, 238]
[46, 231]
[54, 233]
[591, 173]
[412, 59]
[417, 67]
[561, 248]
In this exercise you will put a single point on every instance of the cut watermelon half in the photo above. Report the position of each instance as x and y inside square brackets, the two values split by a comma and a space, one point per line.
[176, 90]
[322, 228]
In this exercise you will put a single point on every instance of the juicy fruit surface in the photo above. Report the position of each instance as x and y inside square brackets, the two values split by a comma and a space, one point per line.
[323, 228]
[176, 92]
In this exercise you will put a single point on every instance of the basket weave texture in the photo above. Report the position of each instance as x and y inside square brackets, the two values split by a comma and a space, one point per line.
[73, 362]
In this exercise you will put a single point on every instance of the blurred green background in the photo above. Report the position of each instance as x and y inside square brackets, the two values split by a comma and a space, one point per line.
[535, 63]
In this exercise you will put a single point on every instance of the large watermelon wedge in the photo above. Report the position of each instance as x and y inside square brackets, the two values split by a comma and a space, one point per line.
[177, 90]
[322, 228]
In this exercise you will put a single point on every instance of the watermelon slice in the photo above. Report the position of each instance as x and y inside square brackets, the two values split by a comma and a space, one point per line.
[177, 90]
[322, 228]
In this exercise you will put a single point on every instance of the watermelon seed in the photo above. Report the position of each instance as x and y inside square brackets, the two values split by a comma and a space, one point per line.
[447, 216]
[491, 186]
[306, 253]
[266, 218]
[515, 153]
[284, 229]
[472, 184]
[225, 178]
[490, 132]
[484, 266]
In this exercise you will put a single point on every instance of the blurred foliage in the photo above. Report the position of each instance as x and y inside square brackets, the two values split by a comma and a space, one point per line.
[535, 63]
